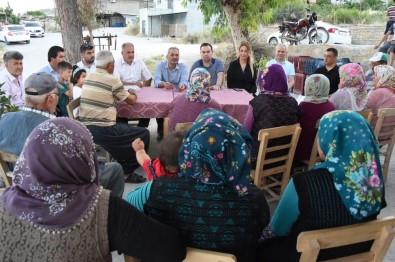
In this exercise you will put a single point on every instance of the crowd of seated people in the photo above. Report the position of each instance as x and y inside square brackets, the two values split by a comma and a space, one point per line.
[199, 192]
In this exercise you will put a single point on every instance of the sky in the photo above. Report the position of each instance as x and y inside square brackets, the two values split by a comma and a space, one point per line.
[21, 6]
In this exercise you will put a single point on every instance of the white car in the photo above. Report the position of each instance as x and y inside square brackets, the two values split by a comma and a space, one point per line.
[34, 28]
[14, 33]
[337, 35]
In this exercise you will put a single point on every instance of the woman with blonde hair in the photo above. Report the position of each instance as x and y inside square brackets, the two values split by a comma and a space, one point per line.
[242, 71]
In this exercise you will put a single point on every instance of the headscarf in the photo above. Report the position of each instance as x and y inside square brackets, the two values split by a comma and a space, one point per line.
[352, 80]
[272, 80]
[55, 178]
[199, 88]
[216, 151]
[386, 75]
[352, 157]
[316, 89]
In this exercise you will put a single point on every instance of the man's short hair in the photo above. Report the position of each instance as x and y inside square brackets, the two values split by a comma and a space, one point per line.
[86, 46]
[124, 45]
[333, 50]
[171, 48]
[9, 55]
[64, 65]
[103, 58]
[168, 149]
[53, 52]
[206, 44]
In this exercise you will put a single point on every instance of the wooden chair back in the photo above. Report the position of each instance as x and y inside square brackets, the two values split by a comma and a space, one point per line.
[199, 255]
[183, 127]
[6, 174]
[381, 231]
[268, 178]
[385, 134]
[367, 114]
[73, 105]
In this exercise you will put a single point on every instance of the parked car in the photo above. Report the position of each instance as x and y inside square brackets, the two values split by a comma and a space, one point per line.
[337, 35]
[14, 33]
[35, 28]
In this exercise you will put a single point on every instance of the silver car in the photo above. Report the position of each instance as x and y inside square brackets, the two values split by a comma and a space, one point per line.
[35, 29]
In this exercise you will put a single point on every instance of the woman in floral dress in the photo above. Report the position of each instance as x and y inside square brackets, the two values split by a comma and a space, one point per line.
[347, 188]
[352, 93]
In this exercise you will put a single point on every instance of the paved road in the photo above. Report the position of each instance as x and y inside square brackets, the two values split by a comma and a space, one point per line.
[35, 53]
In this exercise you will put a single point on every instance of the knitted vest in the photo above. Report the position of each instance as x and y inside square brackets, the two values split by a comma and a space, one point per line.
[321, 207]
[87, 240]
[209, 217]
[272, 111]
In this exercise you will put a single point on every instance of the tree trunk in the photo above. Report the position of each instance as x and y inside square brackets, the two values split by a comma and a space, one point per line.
[233, 16]
[71, 29]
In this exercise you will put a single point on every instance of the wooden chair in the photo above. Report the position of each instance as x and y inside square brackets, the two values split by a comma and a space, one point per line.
[199, 255]
[381, 231]
[70, 109]
[4, 170]
[385, 133]
[367, 114]
[183, 127]
[267, 179]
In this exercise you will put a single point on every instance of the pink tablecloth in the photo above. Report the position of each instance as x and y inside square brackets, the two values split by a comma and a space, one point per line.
[155, 102]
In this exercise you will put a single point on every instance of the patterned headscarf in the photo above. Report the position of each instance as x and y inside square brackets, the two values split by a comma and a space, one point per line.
[386, 75]
[352, 79]
[55, 178]
[316, 89]
[352, 157]
[216, 151]
[199, 86]
[272, 80]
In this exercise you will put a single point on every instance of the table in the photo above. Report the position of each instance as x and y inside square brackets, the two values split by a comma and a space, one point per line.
[155, 103]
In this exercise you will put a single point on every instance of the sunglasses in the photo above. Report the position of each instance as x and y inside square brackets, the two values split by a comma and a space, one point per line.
[87, 46]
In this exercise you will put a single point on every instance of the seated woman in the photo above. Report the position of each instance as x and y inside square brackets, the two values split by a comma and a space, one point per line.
[211, 201]
[346, 189]
[314, 106]
[383, 94]
[273, 107]
[55, 209]
[197, 99]
[351, 94]
[242, 72]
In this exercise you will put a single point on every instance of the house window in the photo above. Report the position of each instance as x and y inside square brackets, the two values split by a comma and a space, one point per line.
[170, 4]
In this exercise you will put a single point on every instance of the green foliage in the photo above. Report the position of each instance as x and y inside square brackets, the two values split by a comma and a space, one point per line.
[36, 14]
[216, 35]
[132, 29]
[11, 17]
[261, 63]
[346, 16]
[283, 12]
[5, 103]
[221, 34]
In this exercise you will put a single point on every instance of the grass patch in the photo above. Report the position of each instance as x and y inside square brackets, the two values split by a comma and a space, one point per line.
[152, 62]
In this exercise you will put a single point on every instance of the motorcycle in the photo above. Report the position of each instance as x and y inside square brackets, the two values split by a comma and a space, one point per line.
[294, 32]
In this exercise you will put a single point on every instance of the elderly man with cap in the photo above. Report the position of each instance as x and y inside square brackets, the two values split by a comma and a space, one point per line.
[42, 96]
[378, 58]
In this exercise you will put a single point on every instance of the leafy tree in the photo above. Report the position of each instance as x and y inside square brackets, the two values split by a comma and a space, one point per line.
[242, 16]
[87, 10]
[36, 14]
[11, 17]
[5, 103]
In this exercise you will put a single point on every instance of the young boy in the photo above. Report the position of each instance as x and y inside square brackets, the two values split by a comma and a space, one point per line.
[167, 161]
[65, 87]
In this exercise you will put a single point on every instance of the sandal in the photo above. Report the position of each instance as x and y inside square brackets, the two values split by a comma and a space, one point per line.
[135, 179]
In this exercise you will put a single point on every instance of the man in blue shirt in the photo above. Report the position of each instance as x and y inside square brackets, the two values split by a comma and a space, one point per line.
[170, 75]
[55, 56]
[212, 65]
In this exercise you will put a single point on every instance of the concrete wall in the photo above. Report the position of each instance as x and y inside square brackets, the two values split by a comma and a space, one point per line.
[120, 6]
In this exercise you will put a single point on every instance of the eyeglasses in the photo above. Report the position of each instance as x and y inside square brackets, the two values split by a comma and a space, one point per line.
[87, 46]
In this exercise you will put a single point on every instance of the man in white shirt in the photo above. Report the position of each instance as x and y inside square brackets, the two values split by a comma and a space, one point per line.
[87, 52]
[132, 71]
[11, 76]
[280, 59]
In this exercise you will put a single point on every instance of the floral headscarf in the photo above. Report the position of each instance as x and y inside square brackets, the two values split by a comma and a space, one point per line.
[352, 80]
[316, 89]
[216, 151]
[386, 75]
[55, 178]
[199, 88]
[272, 80]
[352, 156]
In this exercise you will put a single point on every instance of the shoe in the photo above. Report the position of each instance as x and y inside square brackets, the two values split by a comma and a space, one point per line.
[135, 179]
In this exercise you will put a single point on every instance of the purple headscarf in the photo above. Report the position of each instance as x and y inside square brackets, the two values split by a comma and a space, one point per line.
[55, 178]
[272, 80]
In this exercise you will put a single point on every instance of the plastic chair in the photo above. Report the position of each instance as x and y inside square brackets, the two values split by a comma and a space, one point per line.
[268, 179]
[381, 231]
